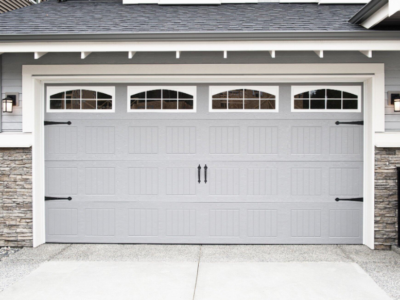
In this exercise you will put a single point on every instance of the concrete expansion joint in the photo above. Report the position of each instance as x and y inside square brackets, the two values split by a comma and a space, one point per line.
[58, 253]
[197, 273]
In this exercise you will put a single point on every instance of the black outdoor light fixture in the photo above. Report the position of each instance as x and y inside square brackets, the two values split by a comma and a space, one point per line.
[397, 105]
[8, 105]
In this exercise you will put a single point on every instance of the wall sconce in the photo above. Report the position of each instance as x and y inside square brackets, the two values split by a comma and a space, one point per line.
[8, 105]
[397, 105]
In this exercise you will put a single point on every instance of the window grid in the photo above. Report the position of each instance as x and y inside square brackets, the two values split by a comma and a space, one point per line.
[73, 97]
[342, 100]
[162, 99]
[244, 98]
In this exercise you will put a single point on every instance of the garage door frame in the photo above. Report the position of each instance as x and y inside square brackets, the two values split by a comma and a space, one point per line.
[35, 78]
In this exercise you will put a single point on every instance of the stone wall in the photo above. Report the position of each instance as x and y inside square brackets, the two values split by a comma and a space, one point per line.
[386, 162]
[15, 197]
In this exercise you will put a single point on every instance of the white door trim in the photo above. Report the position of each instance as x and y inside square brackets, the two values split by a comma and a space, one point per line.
[371, 75]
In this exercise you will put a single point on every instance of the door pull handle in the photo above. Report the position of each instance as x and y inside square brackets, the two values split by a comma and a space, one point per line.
[205, 173]
[199, 173]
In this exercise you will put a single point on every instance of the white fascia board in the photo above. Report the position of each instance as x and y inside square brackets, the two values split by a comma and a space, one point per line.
[377, 17]
[16, 140]
[201, 46]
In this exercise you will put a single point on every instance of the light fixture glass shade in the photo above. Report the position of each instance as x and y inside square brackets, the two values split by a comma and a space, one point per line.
[397, 105]
[7, 105]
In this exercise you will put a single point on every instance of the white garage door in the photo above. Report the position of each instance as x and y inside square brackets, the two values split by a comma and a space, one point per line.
[204, 164]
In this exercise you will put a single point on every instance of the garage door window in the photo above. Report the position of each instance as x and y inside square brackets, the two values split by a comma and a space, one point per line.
[161, 99]
[340, 99]
[80, 99]
[244, 99]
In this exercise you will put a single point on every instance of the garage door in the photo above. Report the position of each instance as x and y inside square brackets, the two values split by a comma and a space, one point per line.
[204, 164]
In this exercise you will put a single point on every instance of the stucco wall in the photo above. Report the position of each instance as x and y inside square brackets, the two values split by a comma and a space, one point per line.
[15, 197]
[386, 162]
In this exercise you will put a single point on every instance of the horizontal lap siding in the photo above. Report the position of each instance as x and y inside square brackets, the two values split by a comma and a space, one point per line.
[11, 81]
[12, 69]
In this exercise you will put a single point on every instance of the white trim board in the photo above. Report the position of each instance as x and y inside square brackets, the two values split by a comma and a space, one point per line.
[201, 46]
[371, 75]
[16, 140]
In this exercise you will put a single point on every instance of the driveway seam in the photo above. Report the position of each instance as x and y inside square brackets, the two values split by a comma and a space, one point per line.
[58, 253]
[197, 274]
[346, 254]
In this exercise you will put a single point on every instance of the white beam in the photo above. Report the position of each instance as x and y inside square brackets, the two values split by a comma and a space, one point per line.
[202, 46]
[39, 54]
[367, 53]
[272, 53]
[320, 53]
[225, 54]
[377, 17]
[131, 54]
[178, 54]
[85, 54]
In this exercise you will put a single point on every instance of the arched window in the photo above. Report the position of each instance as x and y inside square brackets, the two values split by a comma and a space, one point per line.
[245, 99]
[162, 99]
[329, 99]
[83, 99]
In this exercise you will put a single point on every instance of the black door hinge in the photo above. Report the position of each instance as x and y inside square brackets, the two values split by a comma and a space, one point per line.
[350, 123]
[56, 123]
[350, 199]
[56, 198]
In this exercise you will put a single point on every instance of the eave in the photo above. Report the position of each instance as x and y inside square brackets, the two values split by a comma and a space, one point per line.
[209, 36]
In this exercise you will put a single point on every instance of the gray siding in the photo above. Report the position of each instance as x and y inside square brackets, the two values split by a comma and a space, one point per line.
[12, 68]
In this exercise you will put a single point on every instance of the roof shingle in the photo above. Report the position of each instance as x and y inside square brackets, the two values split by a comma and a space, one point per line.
[111, 16]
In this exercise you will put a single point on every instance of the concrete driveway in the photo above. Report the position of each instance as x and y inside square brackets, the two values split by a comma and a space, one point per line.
[166, 272]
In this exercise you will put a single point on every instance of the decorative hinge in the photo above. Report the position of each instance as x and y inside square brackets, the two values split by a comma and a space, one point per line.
[56, 198]
[351, 199]
[350, 123]
[56, 123]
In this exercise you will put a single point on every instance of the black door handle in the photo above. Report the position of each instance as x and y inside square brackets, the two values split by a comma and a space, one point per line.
[199, 173]
[205, 173]
[56, 198]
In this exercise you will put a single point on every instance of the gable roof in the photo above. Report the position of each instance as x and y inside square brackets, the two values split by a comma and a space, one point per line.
[111, 16]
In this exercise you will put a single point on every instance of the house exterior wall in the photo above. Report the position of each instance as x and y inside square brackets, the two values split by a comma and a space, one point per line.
[15, 197]
[386, 162]
[12, 68]
[12, 82]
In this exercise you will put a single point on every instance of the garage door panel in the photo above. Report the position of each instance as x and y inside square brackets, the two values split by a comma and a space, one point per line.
[272, 178]
[142, 222]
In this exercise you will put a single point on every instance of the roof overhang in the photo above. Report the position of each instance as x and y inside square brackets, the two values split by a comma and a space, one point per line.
[209, 36]
[378, 12]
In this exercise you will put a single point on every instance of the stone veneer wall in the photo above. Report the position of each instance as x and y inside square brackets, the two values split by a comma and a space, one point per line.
[386, 162]
[16, 197]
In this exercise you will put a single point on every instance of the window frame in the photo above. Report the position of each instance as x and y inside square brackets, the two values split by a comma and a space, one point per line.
[215, 89]
[191, 90]
[51, 90]
[353, 89]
